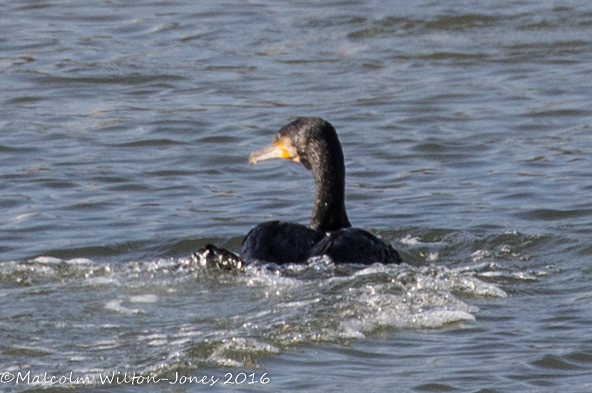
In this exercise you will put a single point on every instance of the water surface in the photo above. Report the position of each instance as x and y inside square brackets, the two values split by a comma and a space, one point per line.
[125, 129]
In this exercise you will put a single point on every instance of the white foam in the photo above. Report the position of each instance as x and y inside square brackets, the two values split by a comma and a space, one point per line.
[116, 306]
[148, 298]
[47, 260]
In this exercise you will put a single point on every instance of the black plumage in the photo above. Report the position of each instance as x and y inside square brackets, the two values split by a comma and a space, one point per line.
[313, 142]
[279, 242]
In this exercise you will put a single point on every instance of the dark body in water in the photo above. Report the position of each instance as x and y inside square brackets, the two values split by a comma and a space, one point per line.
[312, 142]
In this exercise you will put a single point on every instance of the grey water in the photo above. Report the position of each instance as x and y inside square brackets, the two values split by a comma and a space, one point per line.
[125, 128]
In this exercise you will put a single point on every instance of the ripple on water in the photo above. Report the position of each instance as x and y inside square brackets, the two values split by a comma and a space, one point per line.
[466, 128]
[225, 319]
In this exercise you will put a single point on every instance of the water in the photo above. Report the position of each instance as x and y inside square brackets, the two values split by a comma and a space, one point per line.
[125, 129]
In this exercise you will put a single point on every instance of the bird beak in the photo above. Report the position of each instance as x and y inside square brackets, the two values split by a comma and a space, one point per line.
[275, 150]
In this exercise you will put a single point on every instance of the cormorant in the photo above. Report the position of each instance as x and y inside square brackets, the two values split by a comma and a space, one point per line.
[313, 142]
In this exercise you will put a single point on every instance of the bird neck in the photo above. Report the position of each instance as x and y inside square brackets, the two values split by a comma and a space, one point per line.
[328, 170]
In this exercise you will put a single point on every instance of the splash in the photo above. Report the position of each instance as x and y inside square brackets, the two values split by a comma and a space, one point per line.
[154, 318]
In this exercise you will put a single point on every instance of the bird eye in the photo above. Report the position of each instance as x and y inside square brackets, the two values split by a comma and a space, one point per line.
[277, 139]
